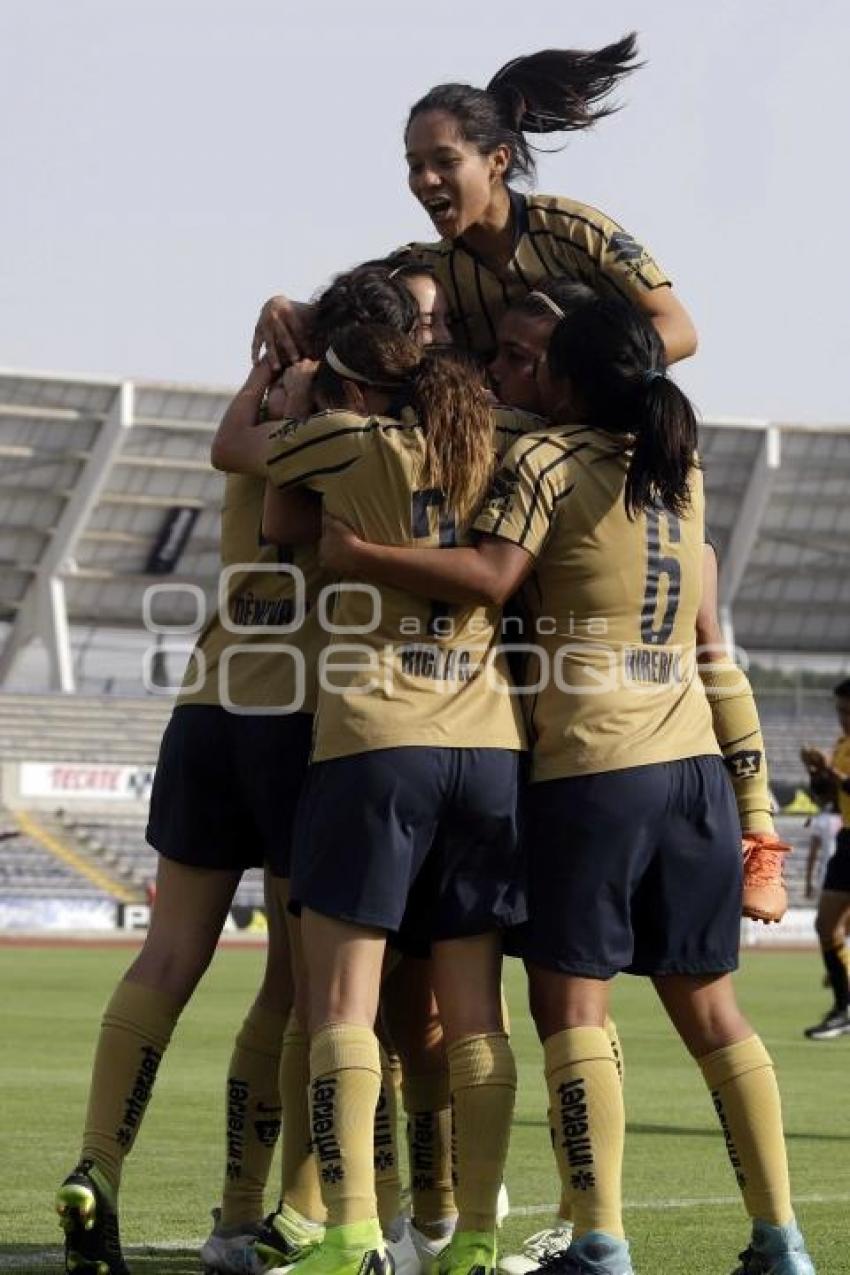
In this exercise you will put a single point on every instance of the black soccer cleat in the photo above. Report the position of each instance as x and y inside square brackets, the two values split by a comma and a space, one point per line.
[836, 1023]
[88, 1215]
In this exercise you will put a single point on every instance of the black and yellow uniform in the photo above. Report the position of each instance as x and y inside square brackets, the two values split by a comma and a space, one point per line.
[417, 735]
[234, 754]
[634, 842]
[838, 869]
[554, 238]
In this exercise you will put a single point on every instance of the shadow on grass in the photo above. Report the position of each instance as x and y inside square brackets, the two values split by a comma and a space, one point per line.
[46, 1259]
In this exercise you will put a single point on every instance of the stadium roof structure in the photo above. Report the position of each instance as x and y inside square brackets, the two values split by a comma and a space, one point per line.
[106, 489]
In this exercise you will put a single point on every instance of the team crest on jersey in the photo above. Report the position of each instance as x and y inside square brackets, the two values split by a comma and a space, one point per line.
[286, 428]
[744, 765]
[502, 490]
[626, 249]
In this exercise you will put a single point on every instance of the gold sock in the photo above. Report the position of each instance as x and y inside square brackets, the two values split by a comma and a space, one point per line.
[345, 1081]
[428, 1106]
[387, 1179]
[565, 1208]
[134, 1033]
[300, 1187]
[586, 1102]
[253, 1114]
[743, 1088]
[482, 1076]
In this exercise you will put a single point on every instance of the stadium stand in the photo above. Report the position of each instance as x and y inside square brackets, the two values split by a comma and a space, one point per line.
[82, 728]
[27, 868]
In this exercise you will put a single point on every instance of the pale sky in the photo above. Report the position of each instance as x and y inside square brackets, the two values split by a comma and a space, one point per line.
[168, 164]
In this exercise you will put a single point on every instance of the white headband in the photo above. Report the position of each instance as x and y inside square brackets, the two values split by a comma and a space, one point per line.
[549, 303]
[342, 369]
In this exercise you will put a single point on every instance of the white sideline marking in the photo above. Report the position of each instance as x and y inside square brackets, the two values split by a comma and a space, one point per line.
[21, 1261]
[659, 1206]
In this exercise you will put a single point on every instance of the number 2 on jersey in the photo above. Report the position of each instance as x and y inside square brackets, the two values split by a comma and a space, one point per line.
[421, 503]
[660, 565]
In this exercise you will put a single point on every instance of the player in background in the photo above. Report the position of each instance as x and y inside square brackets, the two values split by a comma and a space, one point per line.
[413, 778]
[833, 915]
[632, 833]
[823, 828]
[464, 148]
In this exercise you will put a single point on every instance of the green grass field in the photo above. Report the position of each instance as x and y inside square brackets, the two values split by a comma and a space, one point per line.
[682, 1215]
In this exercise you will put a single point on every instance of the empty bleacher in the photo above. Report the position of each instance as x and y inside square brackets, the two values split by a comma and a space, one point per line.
[28, 870]
[790, 720]
[118, 842]
[87, 728]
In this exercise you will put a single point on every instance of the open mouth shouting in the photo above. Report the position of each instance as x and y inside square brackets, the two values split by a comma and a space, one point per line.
[439, 209]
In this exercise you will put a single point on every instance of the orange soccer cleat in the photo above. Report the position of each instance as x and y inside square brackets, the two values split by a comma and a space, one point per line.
[765, 896]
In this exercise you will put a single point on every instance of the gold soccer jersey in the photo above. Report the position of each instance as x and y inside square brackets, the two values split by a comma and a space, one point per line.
[613, 605]
[841, 763]
[554, 238]
[399, 670]
[242, 662]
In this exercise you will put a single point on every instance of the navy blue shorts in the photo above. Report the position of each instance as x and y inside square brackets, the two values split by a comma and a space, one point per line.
[838, 869]
[226, 788]
[637, 870]
[372, 825]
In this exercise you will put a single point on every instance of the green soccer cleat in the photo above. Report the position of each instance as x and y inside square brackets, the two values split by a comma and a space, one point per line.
[355, 1249]
[252, 1248]
[287, 1237]
[775, 1250]
[88, 1215]
[469, 1253]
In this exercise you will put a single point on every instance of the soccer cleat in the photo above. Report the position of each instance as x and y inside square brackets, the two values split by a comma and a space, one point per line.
[250, 1248]
[88, 1215]
[765, 896]
[287, 1237]
[538, 1250]
[430, 1247]
[836, 1023]
[469, 1253]
[398, 1237]
[593, 1253]
[354, 1249]
[775, 1250]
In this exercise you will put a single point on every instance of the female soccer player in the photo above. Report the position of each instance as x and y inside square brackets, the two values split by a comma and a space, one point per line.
[523, 336]
[409, 299]
[833, 916]
[230, 769]
[464, 148]
[633, 838]
[414, 767]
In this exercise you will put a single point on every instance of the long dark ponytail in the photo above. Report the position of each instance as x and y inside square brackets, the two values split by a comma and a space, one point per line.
[553, 91]
[614, 359]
